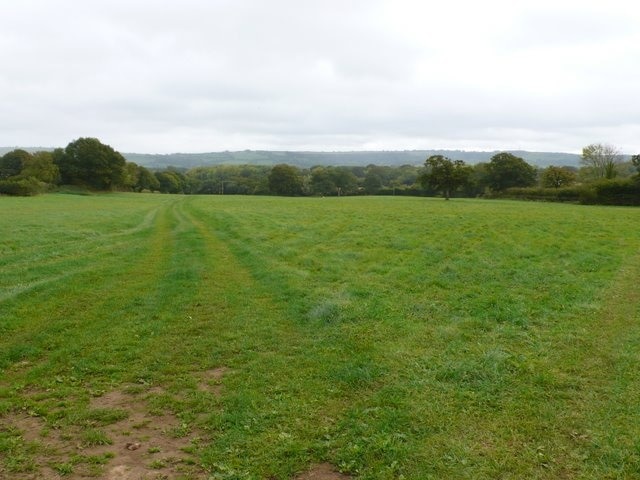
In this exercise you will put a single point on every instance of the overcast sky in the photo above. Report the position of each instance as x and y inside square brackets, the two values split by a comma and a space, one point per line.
[209, 75]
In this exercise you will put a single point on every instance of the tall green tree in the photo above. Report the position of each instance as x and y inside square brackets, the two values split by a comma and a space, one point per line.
[372, 183]
[40, 166]
[556, 177]
[321, 181]
[505, 170]
[333, 181]
[444, 174]
[601, 160]
[171, 181]
[87, 161]
[345, 181]
[285, 180]
[146, 180]
[131, 174]
[11, 163]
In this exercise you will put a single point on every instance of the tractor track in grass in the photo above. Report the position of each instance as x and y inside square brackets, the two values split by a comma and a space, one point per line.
[88, 294]
[157, 321]
[28, 254]
[586, 386]
[607, 365]
[104, 332]
[238, 309]
[37, 266]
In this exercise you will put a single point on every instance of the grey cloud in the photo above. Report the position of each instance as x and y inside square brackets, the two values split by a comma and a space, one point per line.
[207, 75]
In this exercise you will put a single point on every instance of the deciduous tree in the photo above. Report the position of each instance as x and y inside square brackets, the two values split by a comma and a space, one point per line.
[556, 177]
[146, 180]
[11, 163]
[171, 181]
[505, 170]
[344, 180]
[22, 173]
[601, 159]
[444, 174]
[87, 161]
[321, 181]
[285, 180]
[372, 183]
[41, 167]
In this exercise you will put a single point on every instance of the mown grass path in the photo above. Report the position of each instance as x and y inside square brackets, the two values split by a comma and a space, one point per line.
[389, 337]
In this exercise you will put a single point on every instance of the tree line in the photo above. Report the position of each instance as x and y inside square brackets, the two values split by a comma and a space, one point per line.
[90, 164]
[85, 162]
[603, 178]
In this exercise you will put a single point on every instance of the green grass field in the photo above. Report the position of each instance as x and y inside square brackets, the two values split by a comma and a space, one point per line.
[252, 338]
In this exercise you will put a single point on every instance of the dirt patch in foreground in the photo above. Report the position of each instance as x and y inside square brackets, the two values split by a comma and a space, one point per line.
[137, 442]
[324, 471]
[125, 439]
[145, 446]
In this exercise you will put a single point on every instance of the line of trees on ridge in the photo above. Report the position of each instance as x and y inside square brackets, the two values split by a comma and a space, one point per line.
[604, 178]
[85, 162]
[90, 164]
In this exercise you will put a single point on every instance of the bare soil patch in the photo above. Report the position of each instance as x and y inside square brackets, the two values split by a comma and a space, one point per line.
[323, 471]
[211, 380]
[143, 445]
[29, 426]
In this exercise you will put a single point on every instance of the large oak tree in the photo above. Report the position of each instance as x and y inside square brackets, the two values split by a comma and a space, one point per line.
[505, 170]
[87, 161]
[445, 175]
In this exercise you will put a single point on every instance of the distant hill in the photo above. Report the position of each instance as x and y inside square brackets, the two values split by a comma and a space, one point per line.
[309, 159]
[4, 150]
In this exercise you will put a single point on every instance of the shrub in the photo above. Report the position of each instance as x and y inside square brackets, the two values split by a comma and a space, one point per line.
[566, 194]
[22, 187]
[403, 191]
[625, 191]
[603, 192]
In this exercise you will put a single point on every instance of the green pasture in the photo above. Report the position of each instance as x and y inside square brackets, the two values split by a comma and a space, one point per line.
[390, 337]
